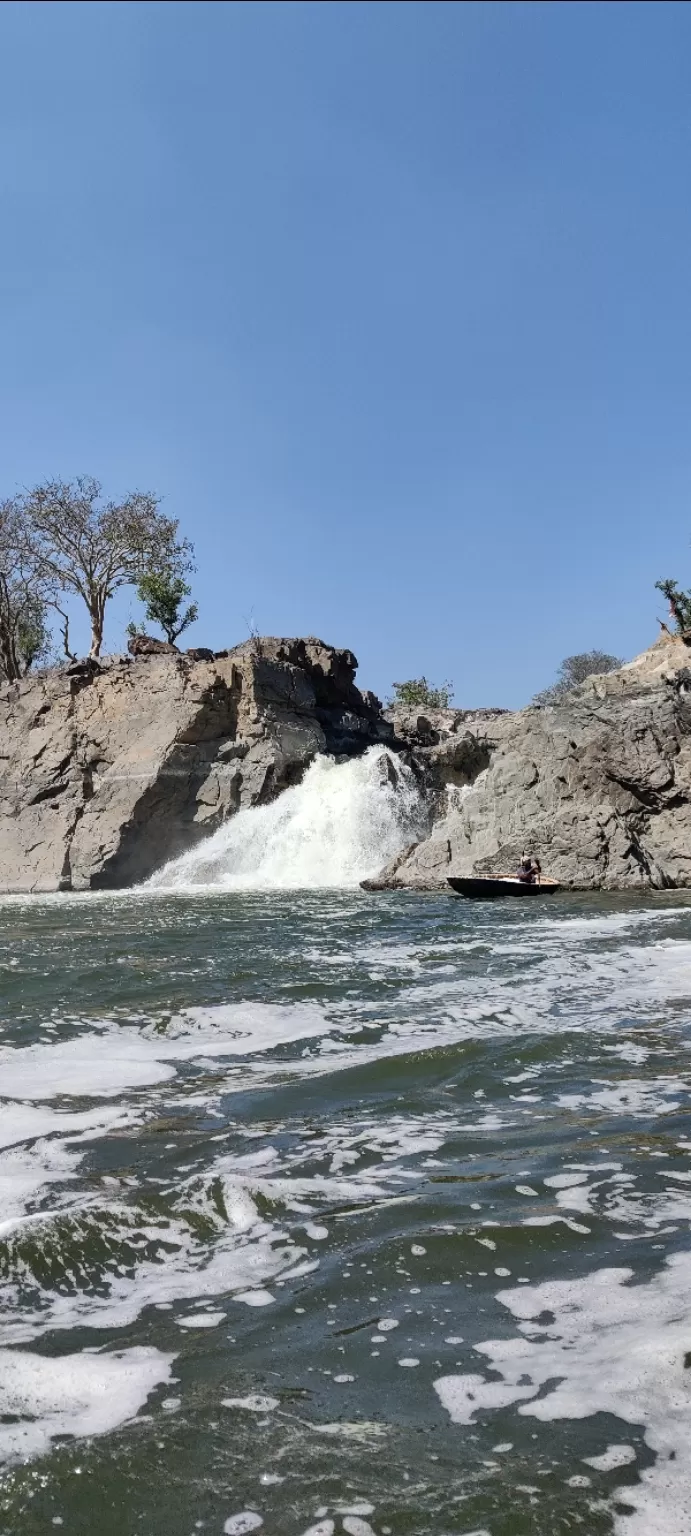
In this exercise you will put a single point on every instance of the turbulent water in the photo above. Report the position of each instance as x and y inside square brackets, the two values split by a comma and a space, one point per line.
[325, 1212]
[345, 821]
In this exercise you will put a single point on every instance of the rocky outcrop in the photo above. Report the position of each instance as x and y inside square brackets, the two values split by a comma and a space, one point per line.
[148, 645]
[108, 770]
[598, 786]
[445, 746]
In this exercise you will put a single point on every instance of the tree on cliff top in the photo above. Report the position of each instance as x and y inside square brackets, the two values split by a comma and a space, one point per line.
[24, 629]
[90, 547]
[163, 594]
[418, 693]
[679, 603]
[574, 670]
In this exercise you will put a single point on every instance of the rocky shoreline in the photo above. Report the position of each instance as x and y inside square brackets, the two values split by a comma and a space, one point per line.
[107, 770]
[597, 786]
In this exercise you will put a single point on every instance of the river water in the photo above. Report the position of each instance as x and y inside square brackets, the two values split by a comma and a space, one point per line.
[325, 1212]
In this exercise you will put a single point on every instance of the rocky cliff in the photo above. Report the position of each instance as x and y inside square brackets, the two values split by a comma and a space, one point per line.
[599, 786]
[106, 772]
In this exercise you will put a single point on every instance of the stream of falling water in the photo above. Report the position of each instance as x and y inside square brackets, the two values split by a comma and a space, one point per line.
[343, 822]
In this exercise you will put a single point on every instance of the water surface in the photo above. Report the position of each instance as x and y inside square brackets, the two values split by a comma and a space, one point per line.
[327, 1212]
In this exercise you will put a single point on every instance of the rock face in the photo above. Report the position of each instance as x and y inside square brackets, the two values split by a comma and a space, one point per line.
[107, 771]
[599, 787]
[148, 645]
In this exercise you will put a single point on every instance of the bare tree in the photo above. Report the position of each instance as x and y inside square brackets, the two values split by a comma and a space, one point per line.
[574, 670]
[24, 598]
[91, 547]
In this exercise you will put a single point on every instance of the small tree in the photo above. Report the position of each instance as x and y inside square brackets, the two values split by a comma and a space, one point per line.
[24, 597]
[418, 693]
[679, 603]
[574, 670]
[163, 595]
[90, 547]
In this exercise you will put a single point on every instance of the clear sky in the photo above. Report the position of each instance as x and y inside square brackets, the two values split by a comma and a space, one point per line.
[390, 302]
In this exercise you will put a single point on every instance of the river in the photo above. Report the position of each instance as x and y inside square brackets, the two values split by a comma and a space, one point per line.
[326, 1212]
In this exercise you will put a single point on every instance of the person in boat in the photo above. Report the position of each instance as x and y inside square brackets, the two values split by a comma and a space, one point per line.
[529, 870]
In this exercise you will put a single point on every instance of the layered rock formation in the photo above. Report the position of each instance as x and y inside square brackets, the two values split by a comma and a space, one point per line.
[108, 771]
[105, 772]
[598, 786]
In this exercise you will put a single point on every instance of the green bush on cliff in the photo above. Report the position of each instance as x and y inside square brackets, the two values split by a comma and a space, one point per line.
[679, 603]
[418, 693]
[163, 594]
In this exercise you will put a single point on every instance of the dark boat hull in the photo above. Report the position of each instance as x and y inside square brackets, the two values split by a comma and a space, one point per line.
[493, 890]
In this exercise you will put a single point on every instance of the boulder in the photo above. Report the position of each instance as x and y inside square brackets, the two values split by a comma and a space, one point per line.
[148, 645]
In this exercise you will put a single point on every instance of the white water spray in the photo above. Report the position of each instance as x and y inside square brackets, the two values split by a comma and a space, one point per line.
[340, 825]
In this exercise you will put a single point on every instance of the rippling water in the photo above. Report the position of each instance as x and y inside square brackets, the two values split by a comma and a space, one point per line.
[334, 1213]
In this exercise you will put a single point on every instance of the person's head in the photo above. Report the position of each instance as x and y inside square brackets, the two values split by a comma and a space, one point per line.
[526, 862]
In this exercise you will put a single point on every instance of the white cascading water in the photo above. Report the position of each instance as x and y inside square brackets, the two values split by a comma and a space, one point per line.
[342, 823]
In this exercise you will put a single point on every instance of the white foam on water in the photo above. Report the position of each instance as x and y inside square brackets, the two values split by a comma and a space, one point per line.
[240, 1525]
[244, 1253]
[613, 1348]
[605, 1191]
[103, 1060]
[237, 1029]
[42, 1152]
[610, 923]
[345, 821]
[562, 989]
[615, 1456]
[239, 1255]
[80, 1395]
[589, 991]
[22, 1122]
[629, 1051]
[201, 1320]
[25, 1175]
[649, 1097]
[91, 1065]
[255, 1298]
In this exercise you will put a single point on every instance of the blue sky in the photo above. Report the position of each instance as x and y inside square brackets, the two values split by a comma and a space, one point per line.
[390, 303]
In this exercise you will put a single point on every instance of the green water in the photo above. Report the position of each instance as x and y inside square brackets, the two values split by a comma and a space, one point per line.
[241, 1132]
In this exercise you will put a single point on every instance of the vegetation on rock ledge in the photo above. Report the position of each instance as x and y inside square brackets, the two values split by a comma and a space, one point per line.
[574, 670]
[61, 540]
[679, 604]
[418, 693]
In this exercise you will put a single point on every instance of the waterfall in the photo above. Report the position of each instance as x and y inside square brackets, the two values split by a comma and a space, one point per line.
[342, 823]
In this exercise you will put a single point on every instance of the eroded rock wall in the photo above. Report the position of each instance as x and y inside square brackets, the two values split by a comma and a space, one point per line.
[599, 787]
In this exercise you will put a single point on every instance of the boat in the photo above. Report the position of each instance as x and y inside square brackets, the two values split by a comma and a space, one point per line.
[479, 889]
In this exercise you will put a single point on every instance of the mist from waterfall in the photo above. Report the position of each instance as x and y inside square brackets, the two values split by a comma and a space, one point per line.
[341, 824]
